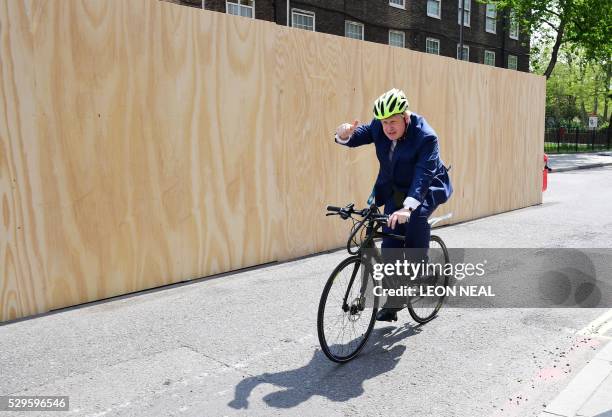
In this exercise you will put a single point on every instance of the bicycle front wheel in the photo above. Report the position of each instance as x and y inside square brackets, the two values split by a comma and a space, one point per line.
[424, 307]
[347, 312]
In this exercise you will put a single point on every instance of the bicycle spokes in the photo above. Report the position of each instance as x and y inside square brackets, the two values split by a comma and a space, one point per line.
[345, 317]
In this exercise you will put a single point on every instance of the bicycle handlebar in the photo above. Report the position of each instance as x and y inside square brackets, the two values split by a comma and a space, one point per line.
[369, 214]
[348, 210]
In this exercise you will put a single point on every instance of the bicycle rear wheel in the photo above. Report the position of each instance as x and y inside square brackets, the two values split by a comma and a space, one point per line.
[345, 326]
[424, 308]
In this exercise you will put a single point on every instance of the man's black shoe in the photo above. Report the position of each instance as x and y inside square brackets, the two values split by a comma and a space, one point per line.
[387, 314]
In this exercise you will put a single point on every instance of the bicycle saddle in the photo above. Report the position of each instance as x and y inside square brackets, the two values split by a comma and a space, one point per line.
[432, 222]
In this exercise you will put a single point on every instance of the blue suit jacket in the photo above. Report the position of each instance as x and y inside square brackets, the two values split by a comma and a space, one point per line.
[415, 168]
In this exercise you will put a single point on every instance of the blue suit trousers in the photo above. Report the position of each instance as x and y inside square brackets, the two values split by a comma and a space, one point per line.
[416, 231]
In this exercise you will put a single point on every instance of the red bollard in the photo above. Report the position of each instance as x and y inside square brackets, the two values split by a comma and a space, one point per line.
[545, 173]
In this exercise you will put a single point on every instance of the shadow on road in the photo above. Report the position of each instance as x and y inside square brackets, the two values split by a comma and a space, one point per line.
[327, 379]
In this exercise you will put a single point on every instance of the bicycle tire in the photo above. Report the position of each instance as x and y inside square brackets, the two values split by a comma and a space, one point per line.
[339, 282]
[425, 314]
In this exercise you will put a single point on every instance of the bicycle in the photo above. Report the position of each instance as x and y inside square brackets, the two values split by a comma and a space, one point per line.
[348, 305]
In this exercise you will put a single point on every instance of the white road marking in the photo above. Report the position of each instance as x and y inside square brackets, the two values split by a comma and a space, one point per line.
[599, 326]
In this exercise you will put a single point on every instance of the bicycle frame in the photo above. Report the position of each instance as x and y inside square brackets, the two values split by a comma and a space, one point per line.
[372, 220]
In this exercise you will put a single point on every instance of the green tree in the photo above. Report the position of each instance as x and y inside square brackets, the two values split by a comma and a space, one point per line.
[577, 87]
[583, 24]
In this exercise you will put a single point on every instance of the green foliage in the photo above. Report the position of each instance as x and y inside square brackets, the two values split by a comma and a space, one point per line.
[551, 148]
[571, 44]
[578, 24]
[577, 88]
[591, 28]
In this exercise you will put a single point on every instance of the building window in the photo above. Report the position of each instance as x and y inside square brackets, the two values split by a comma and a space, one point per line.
[397, 3]
[397, 38]
[353, 30]
[514, 25]
[432, 46]
[491, 19]
[467, 4]
[244, 8]
[302, 19]
[489, 58]
[433, 8]
[512, 62]
[466, 52]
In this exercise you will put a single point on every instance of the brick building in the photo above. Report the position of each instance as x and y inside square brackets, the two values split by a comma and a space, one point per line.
[422, 25]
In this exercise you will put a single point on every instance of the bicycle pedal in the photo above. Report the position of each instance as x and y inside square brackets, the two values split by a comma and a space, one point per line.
[386, 315]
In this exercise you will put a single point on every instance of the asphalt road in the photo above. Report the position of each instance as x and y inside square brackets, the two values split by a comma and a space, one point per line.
[246, 344]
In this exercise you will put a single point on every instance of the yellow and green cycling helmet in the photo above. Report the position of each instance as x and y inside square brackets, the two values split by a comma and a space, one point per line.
[392, 102]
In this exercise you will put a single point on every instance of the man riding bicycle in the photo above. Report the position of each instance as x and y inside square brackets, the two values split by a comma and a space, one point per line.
[412, 179]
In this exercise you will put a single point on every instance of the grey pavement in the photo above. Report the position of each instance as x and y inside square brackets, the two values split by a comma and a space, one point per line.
[245, 344]
[589, 394]
[573, 161]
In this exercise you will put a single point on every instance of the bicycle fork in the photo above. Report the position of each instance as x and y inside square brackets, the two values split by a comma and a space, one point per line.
[359, 304]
